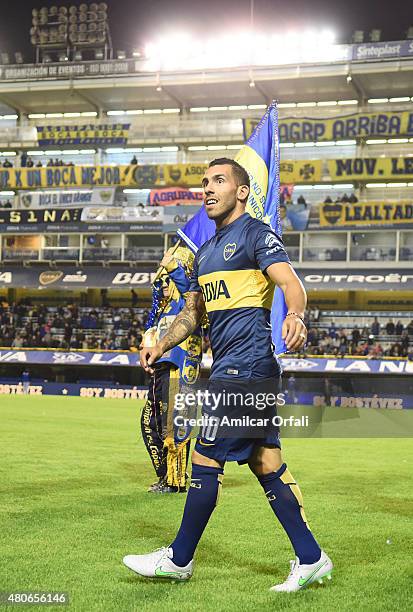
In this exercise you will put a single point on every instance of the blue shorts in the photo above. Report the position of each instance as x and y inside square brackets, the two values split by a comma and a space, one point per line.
[233, 443]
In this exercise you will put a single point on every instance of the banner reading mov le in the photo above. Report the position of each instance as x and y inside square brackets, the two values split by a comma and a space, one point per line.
[371, 168]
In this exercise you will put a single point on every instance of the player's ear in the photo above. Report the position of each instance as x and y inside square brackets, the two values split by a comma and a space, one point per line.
[243, 192]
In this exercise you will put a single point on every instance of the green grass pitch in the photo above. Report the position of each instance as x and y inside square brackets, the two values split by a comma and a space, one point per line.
[73, 502]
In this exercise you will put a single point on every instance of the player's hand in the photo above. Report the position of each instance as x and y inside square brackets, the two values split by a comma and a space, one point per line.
[148, 355]
[168, 262]
[294, 333]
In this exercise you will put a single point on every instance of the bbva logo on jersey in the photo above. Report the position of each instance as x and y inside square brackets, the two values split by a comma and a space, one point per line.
[215, 290]
[229, 250]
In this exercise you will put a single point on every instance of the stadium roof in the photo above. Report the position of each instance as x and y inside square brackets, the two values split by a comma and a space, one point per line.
[188, 89]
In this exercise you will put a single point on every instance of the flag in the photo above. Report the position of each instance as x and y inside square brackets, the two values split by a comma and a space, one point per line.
[260, 156]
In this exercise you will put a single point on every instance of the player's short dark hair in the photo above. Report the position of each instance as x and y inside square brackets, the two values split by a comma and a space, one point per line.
[240, 174]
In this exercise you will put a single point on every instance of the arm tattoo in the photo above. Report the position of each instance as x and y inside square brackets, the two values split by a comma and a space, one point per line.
[186, 322]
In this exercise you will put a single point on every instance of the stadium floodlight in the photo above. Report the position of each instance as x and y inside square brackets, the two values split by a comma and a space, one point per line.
[400, 99]
[99, 55]
[77, 56]
[358, 37]
[241, 49]
[5, 58]
[375, 35]
[62, 56]
[137, 53]
[18, 56]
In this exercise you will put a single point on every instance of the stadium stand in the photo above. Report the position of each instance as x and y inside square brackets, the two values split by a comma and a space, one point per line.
[89, 180]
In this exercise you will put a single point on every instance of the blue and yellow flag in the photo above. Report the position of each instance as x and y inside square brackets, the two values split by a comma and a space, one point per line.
[260, 156]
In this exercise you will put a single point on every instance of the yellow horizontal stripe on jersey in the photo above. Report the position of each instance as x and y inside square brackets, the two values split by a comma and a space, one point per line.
[225, 290]
[258, 171]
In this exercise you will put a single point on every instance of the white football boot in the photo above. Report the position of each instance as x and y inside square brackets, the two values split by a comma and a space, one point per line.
[158, 564]
[302, 576]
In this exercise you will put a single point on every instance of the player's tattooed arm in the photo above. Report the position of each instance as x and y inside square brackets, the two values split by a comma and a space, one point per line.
[186, 322]
[183, 326]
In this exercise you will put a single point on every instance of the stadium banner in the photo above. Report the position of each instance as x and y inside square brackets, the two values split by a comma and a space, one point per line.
[366, 214]
[102, 389]
[98, 196]
[166, 196]
[87, 134]
[382, 50]
[106, 390]
[371, 168]
[339, 399]
[122, 214]
[70, 358]
[396, 279]
[138, 177]
[352, 366]
[129, 358]
[69, 70]
[71, 277]
[83, 220]
[307, 129]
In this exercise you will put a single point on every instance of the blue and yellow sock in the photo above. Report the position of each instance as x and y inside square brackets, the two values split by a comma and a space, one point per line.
[200, 502]
[286, 500]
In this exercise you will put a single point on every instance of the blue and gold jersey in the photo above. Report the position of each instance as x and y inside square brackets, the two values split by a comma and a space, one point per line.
[229, 269]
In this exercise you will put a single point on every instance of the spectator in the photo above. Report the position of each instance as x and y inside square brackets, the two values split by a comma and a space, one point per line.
[390, 328]
[399, 328]
[134, 161]
[39, 164]
[8, 204]
[7, 164]
[134, 298]
[355, 335]
[30, 163]
[375, 327]
[301, 200]
[344, 199]
[23, 159]
[353, 199]
[328, 200]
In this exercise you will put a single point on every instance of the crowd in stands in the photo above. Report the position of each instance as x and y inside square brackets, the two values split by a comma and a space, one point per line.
[371, 341]
[23, 325]
[344, 199]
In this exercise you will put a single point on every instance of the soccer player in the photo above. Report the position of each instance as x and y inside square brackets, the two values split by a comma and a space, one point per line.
[233, 280]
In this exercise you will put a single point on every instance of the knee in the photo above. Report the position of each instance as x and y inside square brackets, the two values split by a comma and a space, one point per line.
[265, 464]
[198, 459]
